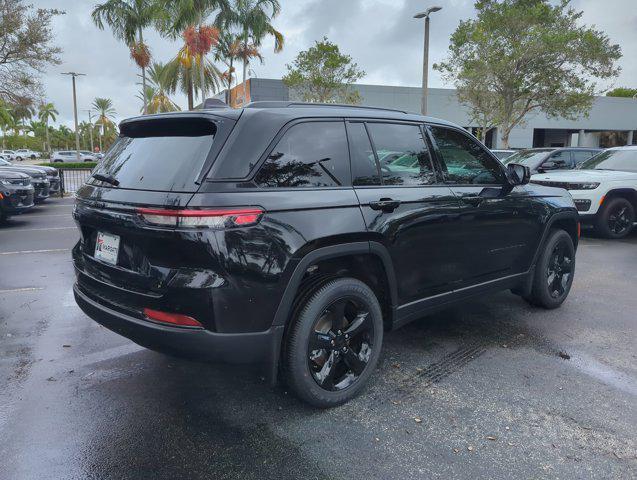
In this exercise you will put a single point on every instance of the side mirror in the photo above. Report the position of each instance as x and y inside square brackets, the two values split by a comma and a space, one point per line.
[518, 174]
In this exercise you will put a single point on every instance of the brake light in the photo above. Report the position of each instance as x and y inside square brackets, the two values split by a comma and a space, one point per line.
[579, 230]
[218, 218]
[171, 318]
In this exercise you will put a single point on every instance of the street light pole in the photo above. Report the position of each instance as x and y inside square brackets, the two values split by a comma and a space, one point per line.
[90, 130]
[425, 62]
[77, 133]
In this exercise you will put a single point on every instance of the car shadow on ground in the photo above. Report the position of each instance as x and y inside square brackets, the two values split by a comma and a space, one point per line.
[197, 417]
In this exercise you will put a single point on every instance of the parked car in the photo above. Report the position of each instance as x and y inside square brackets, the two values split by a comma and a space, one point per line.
[16, 193]
[604, 189]
[272, 234]
[38, 176]
[545, 159]
[71, 156]
[8, 154]
[503, 154]
[52, 174]
[24, 153]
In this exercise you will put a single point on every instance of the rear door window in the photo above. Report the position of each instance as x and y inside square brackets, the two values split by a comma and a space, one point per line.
[308, 155]
[159, 154]
[364, 166]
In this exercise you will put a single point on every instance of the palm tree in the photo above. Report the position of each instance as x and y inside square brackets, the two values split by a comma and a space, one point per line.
[162, 84]
[128, 19]
[47, 112]
[227, 51]
[180, 74]
[105, 114]
[254, 20]
[188, 16]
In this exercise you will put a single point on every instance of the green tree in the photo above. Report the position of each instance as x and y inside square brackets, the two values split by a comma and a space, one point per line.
[189, 16]
[323, 74]
[158, 92]
[128, 19]
[253, 19]
[622, 92]
[46, 113]
[105, 116]
[530, 55]
[26, 49]
[180, 75]
[5, 121]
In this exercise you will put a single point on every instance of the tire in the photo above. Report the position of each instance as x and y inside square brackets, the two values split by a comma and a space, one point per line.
[322, 376]
[554, 271]
[616, 219]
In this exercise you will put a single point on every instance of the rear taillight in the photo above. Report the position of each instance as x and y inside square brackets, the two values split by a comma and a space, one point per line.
[218, 218]
[171, 318]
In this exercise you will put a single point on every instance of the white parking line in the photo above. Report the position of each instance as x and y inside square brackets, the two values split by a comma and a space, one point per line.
[50, 215]
[18, 290]
[37, 229]
[24, 252]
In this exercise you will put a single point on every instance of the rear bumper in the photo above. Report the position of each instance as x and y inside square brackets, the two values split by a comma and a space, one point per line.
[253, 347]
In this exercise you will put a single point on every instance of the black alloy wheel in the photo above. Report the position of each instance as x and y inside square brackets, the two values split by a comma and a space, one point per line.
[554, 271]
[340, 346]
[616, 218]
[559, 270]
[333, 344]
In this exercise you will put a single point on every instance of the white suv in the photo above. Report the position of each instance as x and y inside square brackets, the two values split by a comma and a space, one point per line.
[8, 154]
[71, 156]
[604, 189]
[23, 154]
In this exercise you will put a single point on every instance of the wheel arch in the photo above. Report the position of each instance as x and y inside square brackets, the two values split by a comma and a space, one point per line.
[347, 254]
[629, 194]
[568, 221]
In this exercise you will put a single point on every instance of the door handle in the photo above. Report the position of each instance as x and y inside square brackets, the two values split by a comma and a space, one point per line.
[385, 204]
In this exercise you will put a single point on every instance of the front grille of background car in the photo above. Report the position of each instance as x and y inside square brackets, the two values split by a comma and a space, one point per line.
[551, 184]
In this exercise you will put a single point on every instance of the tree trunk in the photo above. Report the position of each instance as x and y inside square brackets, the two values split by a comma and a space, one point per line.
[202, 75]
[190, 93]
[505, 138]
[141, 41]
[245, 59]
[48, 143]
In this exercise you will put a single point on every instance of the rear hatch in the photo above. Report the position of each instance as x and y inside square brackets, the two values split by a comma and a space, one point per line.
[157, 163]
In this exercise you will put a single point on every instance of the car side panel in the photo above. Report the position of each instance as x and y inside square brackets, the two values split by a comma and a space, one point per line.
[256, 264]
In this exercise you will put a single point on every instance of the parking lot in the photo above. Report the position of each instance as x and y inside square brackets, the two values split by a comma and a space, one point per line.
[492, 388]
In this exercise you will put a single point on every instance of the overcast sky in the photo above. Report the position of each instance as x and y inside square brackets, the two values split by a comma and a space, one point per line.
[380, 35]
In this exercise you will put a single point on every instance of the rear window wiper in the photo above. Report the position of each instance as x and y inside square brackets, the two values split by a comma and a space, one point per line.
[106, 178]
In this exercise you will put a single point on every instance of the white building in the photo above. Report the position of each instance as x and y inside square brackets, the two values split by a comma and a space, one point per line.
[611, 121]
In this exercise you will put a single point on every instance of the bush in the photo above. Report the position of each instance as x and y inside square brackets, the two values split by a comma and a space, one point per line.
[69, 165]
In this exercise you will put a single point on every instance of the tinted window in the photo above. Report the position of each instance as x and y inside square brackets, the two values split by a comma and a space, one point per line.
[581, 155]
[465, 161]
[364, 167]
[562, 159]
[624, 160]
[312, 154]
[164, 155]
[402, 154]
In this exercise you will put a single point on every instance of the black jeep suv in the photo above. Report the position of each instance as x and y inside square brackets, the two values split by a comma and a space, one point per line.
[293, 235]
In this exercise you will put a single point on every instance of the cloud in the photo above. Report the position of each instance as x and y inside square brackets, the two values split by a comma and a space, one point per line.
[380, 35]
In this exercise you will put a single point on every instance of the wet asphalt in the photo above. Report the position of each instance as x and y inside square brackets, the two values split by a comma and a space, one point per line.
[500, 389]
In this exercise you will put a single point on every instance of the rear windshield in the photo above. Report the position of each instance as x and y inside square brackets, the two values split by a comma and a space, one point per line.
[159, 154]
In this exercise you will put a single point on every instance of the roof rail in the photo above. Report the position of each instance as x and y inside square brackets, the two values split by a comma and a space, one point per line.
[282, 104]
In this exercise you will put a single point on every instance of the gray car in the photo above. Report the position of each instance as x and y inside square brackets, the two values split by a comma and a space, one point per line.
[39, 178]
[52, 173]
[16, 193]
